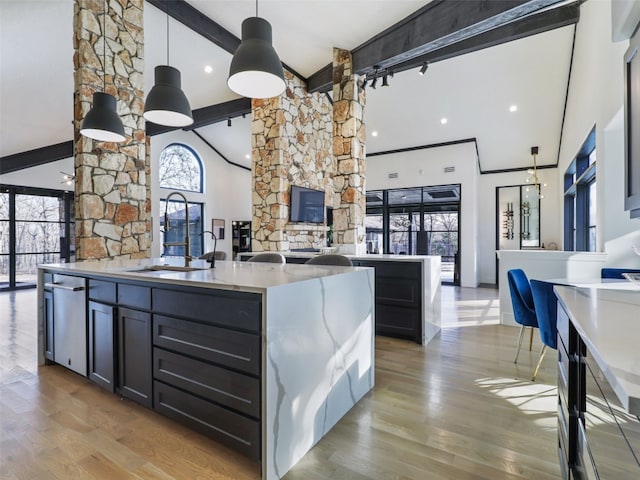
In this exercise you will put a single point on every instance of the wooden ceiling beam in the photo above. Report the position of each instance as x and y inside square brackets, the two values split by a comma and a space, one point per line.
[444, 29]
[202, 117]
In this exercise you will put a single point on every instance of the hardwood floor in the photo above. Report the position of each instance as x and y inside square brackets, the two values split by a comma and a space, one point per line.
[457, 409]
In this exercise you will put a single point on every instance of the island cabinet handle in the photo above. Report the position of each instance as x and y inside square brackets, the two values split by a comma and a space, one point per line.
[73, 288]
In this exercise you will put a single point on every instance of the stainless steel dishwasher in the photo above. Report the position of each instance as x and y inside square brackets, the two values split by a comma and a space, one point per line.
[69, 322]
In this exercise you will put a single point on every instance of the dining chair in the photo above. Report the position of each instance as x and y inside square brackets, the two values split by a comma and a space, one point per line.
[522, 301]
[330, 259]
[268, 257]
[546, 305]
[616, 272]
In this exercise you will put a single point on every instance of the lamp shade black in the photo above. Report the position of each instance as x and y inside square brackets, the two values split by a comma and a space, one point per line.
[256, 70]
[166, 103]
[102, 122]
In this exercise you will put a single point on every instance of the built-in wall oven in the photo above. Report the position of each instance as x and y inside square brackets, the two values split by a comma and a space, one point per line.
[70, 322]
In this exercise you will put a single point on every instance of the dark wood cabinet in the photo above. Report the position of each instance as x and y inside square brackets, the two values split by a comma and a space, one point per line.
[134, 355]
[398, 298]
[48, 325]
[597, 437]
[101, 344]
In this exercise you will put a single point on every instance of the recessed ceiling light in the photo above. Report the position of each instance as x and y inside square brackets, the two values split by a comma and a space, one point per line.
[374, 133]
[443, 120]
[513, 108]
[208, 69]
[247, 156]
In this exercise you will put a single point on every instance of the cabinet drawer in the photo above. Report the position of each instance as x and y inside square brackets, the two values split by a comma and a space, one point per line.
[563, 375]
[562, 327]
[584, 462]
[225, 347]
[102, 291]
[228, 388]
[398, 321]
[232, 429]
[563, 432]
[231, 309]
[134, 296]
[397, 269]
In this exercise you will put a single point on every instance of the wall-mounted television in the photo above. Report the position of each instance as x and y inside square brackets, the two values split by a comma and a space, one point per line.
[307, 205]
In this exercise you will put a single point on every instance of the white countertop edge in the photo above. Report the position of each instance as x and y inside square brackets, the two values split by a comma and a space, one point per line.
[620, 385]
[255, 277]
[368, 256]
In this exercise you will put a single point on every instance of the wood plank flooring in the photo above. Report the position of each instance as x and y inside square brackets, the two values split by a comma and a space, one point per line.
[457, 409]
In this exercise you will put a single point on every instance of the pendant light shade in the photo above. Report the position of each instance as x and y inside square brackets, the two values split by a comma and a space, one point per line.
[166, 103]
[102, 122]
[256, 70]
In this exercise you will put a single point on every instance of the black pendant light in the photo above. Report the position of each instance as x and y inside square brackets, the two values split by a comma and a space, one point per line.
[166, 103]
[102, 123]
[256, 70]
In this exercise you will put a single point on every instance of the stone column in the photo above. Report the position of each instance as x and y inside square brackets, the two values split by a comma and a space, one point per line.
[349, 136]
[112, 193]
[291, 145]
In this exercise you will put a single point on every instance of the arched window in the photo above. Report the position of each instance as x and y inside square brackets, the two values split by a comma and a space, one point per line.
[180, 168]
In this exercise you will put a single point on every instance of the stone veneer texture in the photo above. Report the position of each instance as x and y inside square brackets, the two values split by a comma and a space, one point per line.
[349, 136]
[291, 142]
[112, 189]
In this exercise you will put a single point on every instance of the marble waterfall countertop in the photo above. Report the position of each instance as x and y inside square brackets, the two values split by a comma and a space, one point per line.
[608, 320]
[227, 275]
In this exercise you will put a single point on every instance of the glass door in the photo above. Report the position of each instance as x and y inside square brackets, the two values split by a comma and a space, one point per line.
[35, 227]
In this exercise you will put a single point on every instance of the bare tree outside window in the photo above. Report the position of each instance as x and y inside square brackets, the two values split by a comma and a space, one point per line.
[180, 168]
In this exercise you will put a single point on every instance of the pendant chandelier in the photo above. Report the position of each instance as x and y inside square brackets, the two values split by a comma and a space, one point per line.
[532, 177]
[102, 123]
[166, 103]
[256, 71]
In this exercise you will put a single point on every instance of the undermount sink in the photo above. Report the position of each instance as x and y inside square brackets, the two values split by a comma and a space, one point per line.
[166, 268]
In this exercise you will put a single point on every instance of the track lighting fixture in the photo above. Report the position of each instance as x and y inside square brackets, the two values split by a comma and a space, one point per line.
[229, 122]
[385, 80]
[166, 103]
[374, 82]
[363, 84]
[256, 70]
[423, 68]
[102, 123]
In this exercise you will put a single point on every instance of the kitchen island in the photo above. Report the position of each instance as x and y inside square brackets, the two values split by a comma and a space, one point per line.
[407, 292]
[264, 358]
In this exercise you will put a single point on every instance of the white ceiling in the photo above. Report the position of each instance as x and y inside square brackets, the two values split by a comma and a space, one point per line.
[473, 91]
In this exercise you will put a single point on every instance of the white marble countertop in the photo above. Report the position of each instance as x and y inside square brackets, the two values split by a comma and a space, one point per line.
[366, 256]
[227, 275]
[608, 320]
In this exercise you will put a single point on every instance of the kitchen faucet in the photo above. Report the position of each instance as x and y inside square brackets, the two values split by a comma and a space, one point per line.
[167, 227]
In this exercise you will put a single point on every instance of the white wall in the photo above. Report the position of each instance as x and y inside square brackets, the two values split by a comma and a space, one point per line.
[426, 167]
[596, 98]
[42, 176]
[227, 189]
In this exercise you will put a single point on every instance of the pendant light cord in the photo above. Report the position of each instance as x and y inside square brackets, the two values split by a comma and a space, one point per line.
[256, 8]
[167, 4]
[104, 48]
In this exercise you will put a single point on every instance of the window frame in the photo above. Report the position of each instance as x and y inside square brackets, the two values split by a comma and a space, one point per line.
[199, 163]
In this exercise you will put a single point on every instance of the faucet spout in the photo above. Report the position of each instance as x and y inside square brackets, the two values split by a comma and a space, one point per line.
[167, 227]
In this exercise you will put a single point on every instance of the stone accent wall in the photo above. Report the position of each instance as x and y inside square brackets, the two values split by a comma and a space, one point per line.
[291, 145]
[349, 136]
[112, 180]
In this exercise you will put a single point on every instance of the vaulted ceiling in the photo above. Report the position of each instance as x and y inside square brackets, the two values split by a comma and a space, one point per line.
[473, 91]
